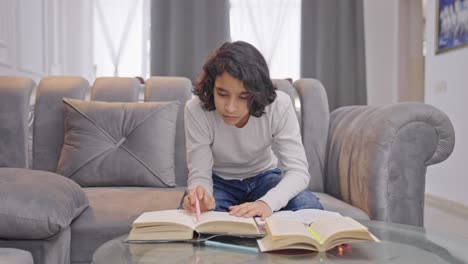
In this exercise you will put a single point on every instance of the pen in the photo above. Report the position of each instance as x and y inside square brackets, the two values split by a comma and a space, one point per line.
[230, 246]
[197, 208]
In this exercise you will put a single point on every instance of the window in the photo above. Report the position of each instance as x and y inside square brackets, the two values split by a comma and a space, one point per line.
[121, 38]
[273, 26]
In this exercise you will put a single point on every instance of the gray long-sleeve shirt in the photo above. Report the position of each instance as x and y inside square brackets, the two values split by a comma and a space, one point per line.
[238, 153]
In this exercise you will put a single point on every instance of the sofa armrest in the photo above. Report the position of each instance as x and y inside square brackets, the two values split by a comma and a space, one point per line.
[377, 157]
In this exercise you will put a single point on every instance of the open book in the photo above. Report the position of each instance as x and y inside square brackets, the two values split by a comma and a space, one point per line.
[170, 225]
[321, 235]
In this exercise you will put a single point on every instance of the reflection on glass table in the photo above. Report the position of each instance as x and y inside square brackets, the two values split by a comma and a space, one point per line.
[399, 244]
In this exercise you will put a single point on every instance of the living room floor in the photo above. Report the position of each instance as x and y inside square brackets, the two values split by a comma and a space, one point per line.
[443, 219]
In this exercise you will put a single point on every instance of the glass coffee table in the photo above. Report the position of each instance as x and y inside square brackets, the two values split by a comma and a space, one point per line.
[399, 244]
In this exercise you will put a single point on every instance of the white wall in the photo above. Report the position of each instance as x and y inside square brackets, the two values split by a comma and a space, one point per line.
[446, 87]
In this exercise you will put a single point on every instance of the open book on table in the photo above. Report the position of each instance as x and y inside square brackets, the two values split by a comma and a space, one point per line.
[179, 225]
[320, 235]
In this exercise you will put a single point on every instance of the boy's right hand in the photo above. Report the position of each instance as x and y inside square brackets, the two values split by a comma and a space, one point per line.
[207, 202]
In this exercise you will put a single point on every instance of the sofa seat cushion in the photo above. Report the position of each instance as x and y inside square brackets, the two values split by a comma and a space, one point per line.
[15, 256]
[119, 144]
[330, 203]
[37, 204]
[111, 212]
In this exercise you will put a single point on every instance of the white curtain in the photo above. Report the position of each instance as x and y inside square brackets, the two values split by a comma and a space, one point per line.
[121, 38]
[272, 26]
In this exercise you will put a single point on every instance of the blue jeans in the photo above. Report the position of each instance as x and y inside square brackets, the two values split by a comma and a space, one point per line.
[234, 192]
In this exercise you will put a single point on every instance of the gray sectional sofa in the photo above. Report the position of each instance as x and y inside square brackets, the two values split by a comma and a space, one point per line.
[99, 162]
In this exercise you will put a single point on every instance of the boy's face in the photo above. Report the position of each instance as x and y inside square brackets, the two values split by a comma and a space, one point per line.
[230, 98]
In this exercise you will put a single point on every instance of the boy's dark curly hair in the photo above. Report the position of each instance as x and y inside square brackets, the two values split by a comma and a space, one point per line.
[244, 62]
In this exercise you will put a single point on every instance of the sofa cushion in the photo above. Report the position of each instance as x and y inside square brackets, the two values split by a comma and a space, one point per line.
[119, 144]
[37, 204]
[330, 203]
[111, 213]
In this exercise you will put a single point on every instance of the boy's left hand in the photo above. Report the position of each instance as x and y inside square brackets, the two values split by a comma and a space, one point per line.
[247, 210]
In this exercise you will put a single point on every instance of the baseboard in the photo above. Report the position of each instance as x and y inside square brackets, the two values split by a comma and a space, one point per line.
[445, 205]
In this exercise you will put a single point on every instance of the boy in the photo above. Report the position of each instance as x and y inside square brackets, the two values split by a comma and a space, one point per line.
[236, 129]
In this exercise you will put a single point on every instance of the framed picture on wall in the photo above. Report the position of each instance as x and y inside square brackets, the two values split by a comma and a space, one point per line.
[452, 25]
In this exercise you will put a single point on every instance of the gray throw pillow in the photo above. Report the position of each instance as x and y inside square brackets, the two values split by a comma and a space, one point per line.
[37, 204]
[119, 144]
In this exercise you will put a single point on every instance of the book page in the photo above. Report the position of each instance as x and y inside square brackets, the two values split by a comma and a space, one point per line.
[307, 216]
[223, 222]
[286, 233]
[165, 218]
[279, 227]
[270, 243]
[327, 228]
[213, 216]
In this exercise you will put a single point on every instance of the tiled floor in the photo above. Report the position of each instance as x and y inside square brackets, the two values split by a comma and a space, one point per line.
[442, 219]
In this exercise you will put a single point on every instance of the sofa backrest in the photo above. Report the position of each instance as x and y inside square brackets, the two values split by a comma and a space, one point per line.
[48, 117]
[313, 115]
[115, 89]
[173, 89]
[14, 109]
